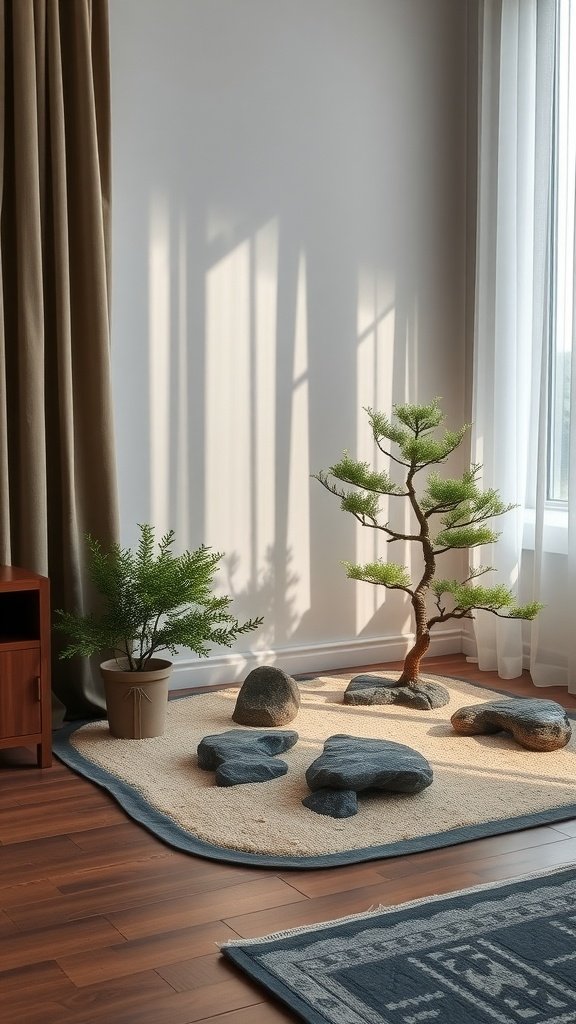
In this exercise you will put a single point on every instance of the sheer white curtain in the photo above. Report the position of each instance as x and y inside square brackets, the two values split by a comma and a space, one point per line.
[515, 312]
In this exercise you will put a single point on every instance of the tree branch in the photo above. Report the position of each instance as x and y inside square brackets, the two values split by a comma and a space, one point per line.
[390, 456]
[462, 613]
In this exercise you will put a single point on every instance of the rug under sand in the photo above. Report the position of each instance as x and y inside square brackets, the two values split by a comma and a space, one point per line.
[483, 785]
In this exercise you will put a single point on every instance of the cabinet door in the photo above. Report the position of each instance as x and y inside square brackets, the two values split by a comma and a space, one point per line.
[20, 707]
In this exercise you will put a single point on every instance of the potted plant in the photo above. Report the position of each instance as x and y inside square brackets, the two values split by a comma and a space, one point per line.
[151, 602]
[447, 514]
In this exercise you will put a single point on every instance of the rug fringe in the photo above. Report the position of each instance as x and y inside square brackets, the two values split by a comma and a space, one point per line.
[383, 908]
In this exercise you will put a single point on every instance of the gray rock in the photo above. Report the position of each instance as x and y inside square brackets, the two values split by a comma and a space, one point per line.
[349, 762]
[237, 744]
[249, 769]
[267, 697]
[535, 724]
[335, 803]
[368, 689]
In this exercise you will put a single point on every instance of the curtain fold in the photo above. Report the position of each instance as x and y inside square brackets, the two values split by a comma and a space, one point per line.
[57, 461]
[514, 317]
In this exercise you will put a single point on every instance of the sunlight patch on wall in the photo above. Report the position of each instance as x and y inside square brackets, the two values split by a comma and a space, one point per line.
[159, 361]
[264, 398]
[240, 417]
[298, 532]
[375, 364]
[227, 396]
[182, 441]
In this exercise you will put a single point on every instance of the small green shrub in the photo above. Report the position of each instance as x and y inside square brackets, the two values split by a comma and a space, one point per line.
[151, 601]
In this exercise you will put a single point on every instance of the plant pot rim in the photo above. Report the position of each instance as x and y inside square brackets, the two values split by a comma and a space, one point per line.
[120, 665]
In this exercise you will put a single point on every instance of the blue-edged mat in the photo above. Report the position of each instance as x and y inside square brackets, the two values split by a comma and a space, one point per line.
[497, 954]
[138, 808]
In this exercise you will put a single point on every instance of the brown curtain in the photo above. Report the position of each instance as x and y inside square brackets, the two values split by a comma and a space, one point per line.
[57, 466]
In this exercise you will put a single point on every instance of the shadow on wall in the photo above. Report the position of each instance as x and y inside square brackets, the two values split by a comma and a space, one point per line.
[287, 250]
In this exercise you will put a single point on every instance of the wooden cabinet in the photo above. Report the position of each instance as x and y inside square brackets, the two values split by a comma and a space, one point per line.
[25, 697]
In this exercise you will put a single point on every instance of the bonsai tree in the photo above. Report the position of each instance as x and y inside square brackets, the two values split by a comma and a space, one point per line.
[151, 602]
[448, 514]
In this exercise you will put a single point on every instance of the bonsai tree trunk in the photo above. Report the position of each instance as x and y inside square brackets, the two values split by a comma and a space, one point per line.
[411, 670]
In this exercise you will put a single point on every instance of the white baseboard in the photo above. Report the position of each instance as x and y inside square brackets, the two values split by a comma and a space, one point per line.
[469, 647]
[234, 667]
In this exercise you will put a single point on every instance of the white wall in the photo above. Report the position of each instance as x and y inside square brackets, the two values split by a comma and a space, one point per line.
[289, 246]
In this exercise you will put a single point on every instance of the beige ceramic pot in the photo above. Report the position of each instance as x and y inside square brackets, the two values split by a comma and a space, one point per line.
[136, 701]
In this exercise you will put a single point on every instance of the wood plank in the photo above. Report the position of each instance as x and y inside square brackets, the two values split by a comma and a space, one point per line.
[197, 972]
[156, 882]
[269, 891]
[166, 863]
[525, 862]
[117, 836]
[32, 983]
[173, 1008]
[26, 892]
[22, 948]
[566, 828]
[67, 867]
[144, 954]
[28, 992]
[67, 788]
[269, 1012]
[47, 1013]
[93, 1002]
[6, 926]
[329, 881]
[356, 901]
[38, 854]
[20, 824]
[478, 849]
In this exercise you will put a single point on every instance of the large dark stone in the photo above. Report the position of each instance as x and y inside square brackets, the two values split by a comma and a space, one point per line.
[237, 744]
[335, 803]
[369, 689]
[249, 769]
[534, 723]
[267, 697]
[349, 762]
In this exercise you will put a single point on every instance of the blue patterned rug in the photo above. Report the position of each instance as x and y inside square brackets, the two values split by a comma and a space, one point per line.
[498, 954]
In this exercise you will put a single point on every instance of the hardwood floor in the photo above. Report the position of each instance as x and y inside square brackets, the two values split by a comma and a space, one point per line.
[101, 923]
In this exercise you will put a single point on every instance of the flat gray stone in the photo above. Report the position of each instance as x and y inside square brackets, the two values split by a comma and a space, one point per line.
[535, 724]
[350, 762]
[249, 770]
[335, 803]
[237, 744]
[371, 689]
[267, 697]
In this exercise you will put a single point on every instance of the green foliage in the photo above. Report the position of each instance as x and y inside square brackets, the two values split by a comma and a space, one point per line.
[420, 418]
[465, 537]
[151, 602]
[359, 473]
[441, 495]
[423, 451]
[388, 573]
[416, 447]
[467, 596]
[360, 504]
[525, 611]
[383, 429]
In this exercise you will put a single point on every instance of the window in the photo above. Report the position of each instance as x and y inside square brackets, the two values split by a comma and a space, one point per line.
[562, 261]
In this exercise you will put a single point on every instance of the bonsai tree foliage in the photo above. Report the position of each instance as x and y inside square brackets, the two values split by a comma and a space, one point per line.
[449, 514]
[151, 602]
